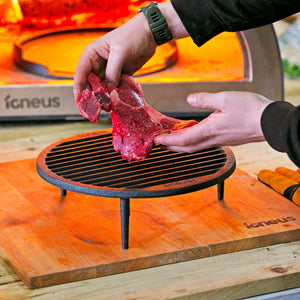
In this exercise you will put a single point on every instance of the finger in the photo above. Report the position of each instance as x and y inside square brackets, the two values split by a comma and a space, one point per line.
[88, 62]
[185, 137]
[114, 65]
[193, 148]
[206, 100]
[80, 79]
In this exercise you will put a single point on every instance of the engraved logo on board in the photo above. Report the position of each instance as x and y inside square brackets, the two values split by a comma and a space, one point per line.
[270, 222]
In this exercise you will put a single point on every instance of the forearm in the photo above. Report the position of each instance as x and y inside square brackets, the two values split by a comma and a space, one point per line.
[203, 19]
[174, 22]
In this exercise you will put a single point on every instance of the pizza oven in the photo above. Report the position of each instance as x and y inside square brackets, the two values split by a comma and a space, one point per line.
[41, 42]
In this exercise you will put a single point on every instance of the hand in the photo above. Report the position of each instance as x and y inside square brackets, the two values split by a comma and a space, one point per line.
[235, 121]
[125, 49]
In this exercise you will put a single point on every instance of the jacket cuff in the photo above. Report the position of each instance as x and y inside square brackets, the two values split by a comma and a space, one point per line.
[274, 124]
[198, 19]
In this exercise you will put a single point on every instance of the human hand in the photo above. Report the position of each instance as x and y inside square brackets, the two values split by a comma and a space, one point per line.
[235, 121]
[125, 49]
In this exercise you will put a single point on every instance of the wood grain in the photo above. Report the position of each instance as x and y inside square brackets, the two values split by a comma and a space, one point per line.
[48, 239]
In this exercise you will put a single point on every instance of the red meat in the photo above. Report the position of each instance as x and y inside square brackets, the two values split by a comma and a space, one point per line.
[135, 123]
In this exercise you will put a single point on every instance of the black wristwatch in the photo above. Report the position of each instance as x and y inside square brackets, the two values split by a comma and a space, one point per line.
[157, 23]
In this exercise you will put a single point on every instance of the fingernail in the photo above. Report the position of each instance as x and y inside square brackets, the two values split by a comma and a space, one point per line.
[109, 84]
[77, 97]
[156, 141]
[191, 99]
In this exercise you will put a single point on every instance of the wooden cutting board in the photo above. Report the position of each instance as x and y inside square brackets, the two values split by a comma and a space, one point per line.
[48, 239]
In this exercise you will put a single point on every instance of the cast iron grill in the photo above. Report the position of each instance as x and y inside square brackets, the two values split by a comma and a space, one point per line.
[88, 164]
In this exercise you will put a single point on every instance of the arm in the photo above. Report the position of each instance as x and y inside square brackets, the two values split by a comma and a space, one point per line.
[128, 47]
[235, 121]
[280, 124]
[239, 118]
[203, 19]
[124, 49]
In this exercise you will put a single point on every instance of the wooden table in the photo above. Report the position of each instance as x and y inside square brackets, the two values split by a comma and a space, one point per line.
[229, 276]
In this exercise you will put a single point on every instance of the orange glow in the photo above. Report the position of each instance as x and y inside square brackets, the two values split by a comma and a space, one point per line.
[45, 14]
[220, 59]
[9, 12]
[17, 9]
[59, 53]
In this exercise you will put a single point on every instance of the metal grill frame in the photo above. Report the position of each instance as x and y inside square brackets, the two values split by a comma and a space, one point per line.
[227, 167]
[162, 190]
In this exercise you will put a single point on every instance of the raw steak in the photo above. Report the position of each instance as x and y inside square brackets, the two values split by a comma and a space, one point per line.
[134, 122]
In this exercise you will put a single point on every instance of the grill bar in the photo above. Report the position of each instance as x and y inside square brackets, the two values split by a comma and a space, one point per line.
[100, 170]
[105, 179]
[173, 166]
[107, 153]
[164, 179]
[105, 164]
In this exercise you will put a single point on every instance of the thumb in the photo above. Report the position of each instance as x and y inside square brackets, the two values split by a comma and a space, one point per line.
[204, 100]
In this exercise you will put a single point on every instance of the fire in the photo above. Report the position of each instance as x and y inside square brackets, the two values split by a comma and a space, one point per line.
[10, 12]
[17, 9]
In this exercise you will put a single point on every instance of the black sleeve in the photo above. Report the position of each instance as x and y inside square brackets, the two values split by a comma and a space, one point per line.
[280, 123]
[203, 19]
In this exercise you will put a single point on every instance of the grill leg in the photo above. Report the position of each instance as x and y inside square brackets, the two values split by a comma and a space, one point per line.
[125, 213]
[221, 190]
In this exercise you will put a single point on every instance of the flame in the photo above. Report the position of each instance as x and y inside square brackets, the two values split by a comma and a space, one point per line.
[17, 8]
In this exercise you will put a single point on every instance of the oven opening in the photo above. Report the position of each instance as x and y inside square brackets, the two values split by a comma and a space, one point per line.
[55, 33]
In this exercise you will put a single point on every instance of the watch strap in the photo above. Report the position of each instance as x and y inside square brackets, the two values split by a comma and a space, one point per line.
[157, 23]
